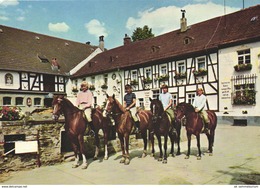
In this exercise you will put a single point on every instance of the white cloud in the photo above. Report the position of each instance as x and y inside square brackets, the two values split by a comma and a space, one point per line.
[58, 27]
[167, 19]
[96, 28]
[20, 18]
[6, 3]
[4, 18]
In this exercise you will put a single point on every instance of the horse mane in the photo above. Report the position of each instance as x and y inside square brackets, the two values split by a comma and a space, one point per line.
[120, 106]
[189, 107]
[70, 105]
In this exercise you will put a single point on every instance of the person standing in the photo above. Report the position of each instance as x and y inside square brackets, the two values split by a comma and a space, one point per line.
[166, 98]
[199, 104]
[130, 105]
[84, 102]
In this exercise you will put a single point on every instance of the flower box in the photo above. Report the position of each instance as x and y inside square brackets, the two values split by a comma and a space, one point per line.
[133, 82]
[243, 67]
[10, 113]
[164, 77]
[104, 86]
[147, 80]
[200, 72]
[247, 97]
[180, 75]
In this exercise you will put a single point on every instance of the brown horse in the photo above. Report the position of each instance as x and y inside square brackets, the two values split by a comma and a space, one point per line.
[163, 127]
[75, 126]
[194, 124]
[123, 122]
[145, 117]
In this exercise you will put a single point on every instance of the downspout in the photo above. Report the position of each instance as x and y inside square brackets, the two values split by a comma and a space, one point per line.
[121, 85]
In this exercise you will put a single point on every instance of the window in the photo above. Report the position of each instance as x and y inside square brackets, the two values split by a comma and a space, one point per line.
[141, 102]
[181, 67]
[6, 100]
[201, 62]
[8, 79]
[244, 92]
[244, 57]
[19, 101]
[156, 93]
[163, 70]
[190, 97]
[148, 73]
[37, 101]
[93, 79]
[134, 75]
[105, 78]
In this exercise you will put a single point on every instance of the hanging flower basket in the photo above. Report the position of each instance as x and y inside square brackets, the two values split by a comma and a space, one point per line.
[200, 72]
[243, 67]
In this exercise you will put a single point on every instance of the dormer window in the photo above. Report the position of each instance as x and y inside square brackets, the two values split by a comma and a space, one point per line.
[187, 40]
[43, 59]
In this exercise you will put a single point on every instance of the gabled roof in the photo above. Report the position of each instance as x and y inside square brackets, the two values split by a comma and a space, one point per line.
[33, 52]
[235, 28]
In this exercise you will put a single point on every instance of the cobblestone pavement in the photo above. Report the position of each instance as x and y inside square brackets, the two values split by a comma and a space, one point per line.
[236, 160]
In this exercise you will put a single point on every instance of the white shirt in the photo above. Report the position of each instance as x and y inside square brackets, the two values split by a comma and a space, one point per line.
[199, 102]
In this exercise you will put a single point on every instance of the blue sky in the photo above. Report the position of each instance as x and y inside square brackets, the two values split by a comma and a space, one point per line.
[86, 20]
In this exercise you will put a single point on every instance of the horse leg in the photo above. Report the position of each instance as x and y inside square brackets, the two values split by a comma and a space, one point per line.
[211, 141]
[83, 151]
[160, 146]
[144, 136]
[97, 143]
[105, 144]
[172, 145]
[178, 140]
[127, 158]
[165, 149]
[152, 142]
[121, 138]
[198, 145]
[189, 142]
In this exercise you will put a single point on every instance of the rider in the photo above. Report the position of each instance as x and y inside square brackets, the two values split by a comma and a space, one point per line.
[130, 105]
[199, 104]
[166, 98]
[84, 102]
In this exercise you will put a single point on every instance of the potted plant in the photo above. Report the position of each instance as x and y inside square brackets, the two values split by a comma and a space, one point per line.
[147, 80]
[163, 77]
[133, 82]
[243, 67]
[200, 72]
[10, 113]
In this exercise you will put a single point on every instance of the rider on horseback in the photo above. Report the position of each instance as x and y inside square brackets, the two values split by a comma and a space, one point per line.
[199, 104]
[84, 102]
[166, 98]
[130, 105]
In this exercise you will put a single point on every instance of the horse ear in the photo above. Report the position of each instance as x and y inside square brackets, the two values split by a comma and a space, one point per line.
[150, 99]
[113, 96]
[107, 95]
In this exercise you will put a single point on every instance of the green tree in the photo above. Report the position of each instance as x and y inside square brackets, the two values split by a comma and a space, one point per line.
[142, 33]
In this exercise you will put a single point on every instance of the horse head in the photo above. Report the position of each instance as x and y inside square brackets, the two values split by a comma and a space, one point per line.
[57, 106]
[182, 109]
[110, 105]
[156, 108]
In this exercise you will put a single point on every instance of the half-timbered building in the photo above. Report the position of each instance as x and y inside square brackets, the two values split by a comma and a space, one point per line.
[221, 55]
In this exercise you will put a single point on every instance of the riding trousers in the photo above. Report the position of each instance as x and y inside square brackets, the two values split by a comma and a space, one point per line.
[87, 113]
[170, 112]
[133, 113]
[204, 115]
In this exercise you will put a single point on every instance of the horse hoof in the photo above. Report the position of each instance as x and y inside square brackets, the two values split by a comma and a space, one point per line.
[95, 158]
[122, 160]
[84, 166]
[198, 158]
[187, 157]
[178, 153]
[144, 155]
[106, 158]
[164, 161]
[152, 154]
[75, 165]
[127, 162]
[160, 159]
[171, 155]
[210, 154]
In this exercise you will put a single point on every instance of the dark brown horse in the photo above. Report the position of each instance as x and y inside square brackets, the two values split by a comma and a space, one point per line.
[123, 122]
[145, 117]
[164, 127]
[194, 124]
[75, 126]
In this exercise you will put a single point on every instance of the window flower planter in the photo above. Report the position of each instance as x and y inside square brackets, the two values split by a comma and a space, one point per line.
[247, 97]
[92, 87]
[104, 86]
[133, 82]
[200, 72]
[10, 113]
[180, 75]
[163, 78]
[243, 67]
[147, 80]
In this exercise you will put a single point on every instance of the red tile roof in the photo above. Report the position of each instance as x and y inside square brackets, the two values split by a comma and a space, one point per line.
[235, 28]
[20, 51]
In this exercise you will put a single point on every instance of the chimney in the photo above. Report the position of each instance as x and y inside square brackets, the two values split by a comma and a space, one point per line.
[101, 43]
[183, 22]
[127, 40]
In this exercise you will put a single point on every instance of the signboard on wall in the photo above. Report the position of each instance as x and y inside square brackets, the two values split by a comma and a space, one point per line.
[26, 147]
[225, 90]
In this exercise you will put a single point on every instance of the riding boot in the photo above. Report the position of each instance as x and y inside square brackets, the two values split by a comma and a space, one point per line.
[206, 128]
[91, 132]
[137, 126]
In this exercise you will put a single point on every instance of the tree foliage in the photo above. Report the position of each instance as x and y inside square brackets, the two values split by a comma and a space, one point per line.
[142, 33]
